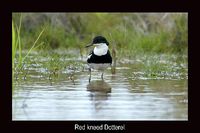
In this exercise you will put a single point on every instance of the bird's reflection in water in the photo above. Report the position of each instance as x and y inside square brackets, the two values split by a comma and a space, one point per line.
[99, 93]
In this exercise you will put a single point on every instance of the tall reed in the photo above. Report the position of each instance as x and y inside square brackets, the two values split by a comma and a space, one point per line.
[17, 46]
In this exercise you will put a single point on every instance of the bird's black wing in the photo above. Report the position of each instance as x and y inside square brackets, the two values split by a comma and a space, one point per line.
[100, 59]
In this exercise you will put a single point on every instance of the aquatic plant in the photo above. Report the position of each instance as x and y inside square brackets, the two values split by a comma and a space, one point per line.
[17, 47]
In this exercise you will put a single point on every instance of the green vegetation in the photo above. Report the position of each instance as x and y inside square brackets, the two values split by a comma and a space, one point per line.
[17, 48]
[165, 66]
[133, 36]
[138, 32]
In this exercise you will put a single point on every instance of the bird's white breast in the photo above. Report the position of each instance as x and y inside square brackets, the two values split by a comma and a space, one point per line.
[100, 49]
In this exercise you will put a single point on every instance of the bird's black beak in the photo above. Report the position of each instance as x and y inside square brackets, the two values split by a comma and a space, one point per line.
[89, 45]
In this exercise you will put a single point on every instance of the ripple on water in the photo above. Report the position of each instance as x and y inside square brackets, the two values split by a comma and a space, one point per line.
[115, 98]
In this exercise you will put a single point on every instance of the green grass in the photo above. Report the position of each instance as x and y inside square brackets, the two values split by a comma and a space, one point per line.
[135, 32]
[13, 44]
[133, 36]
[17, 56]
[157, 66]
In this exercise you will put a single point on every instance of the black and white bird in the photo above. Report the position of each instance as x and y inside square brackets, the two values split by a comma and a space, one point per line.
[100, 57]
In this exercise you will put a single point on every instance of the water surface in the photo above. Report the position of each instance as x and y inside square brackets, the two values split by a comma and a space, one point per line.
[118, 97]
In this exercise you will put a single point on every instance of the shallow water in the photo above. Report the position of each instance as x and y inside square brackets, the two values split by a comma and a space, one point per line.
[118, 97]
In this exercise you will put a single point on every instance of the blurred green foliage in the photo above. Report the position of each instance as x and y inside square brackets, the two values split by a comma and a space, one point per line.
[132, 33]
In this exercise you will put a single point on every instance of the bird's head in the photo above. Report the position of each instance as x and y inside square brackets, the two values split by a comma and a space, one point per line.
[98, 40]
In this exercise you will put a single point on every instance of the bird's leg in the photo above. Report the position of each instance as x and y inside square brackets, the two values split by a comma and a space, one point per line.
[90, 74]
[102, 75]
